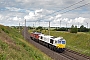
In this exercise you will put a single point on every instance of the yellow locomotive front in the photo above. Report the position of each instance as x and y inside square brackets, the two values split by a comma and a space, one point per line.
[60, 44]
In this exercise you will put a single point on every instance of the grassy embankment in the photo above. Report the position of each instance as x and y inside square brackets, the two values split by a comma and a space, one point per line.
[14, 47]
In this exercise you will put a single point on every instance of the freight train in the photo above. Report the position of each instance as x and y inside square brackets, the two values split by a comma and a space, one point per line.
[54, 43]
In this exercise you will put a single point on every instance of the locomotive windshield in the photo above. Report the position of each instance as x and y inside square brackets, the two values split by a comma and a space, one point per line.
[59, 41]
[63, 42]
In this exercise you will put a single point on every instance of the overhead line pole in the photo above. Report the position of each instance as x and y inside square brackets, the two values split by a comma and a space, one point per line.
[49, 27]
[66, 26]
[87, 24]
[25, 29]
[78, 24]
[60, 23]
[19, 27]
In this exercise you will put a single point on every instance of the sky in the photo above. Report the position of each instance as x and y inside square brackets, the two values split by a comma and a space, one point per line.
[60, 13]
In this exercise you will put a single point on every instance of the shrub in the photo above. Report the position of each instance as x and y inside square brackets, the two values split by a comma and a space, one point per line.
[73, 29]
[3, 45]
[2, 57]
[5, 30]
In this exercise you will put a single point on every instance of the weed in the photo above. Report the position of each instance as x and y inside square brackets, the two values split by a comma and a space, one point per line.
[3, 45]
[2, 56]
[3, 29]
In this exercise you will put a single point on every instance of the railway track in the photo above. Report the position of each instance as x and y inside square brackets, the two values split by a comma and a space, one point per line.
[72, 55]
[66, 55]
[79, 54]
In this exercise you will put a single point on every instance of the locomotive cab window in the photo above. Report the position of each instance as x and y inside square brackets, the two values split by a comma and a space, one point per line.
[41, 37]
[51, 41]
[55, 41]
[59, 41]
[63, 42]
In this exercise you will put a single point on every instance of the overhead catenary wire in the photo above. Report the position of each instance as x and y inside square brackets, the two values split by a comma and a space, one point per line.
[72, 9]
[42, 18]
[61, 10]
[75, 8]
[66, 7]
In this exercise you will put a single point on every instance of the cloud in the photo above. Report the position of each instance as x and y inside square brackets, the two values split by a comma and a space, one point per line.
[65, 19]
[58, 16]
[79, 20]
[38, 15]
[76, 20]
[14, 9]
[1, 17]
[24, 1]
[37, 12]
[30, 16]
[16, 18]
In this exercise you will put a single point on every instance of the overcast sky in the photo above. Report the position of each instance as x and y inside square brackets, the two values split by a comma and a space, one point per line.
[39, 12]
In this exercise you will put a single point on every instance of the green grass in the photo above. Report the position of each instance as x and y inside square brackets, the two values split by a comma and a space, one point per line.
[79, 42]
[14, 47]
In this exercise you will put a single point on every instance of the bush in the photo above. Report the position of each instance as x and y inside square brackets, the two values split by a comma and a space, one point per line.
[2, 57]
[73, 29]
[83, 29]
[0, 30]
[3, 45]
[5, 30]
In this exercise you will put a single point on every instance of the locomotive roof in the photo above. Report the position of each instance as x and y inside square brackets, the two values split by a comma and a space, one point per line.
[37, 33]
[59, 38]
[41, 35]
[47, 36]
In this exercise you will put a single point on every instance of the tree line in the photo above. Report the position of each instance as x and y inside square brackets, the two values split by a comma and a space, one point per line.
[74, 29]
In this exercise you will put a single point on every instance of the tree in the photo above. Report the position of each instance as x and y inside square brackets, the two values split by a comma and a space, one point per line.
[39, 28]
[83, 29]
[73, 29]
[61, 29]
[76, 29]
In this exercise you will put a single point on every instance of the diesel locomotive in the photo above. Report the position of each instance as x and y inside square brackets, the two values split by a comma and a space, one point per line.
[54, 43]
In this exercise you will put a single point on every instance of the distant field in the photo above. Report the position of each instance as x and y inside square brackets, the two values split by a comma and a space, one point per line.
[14, 47]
